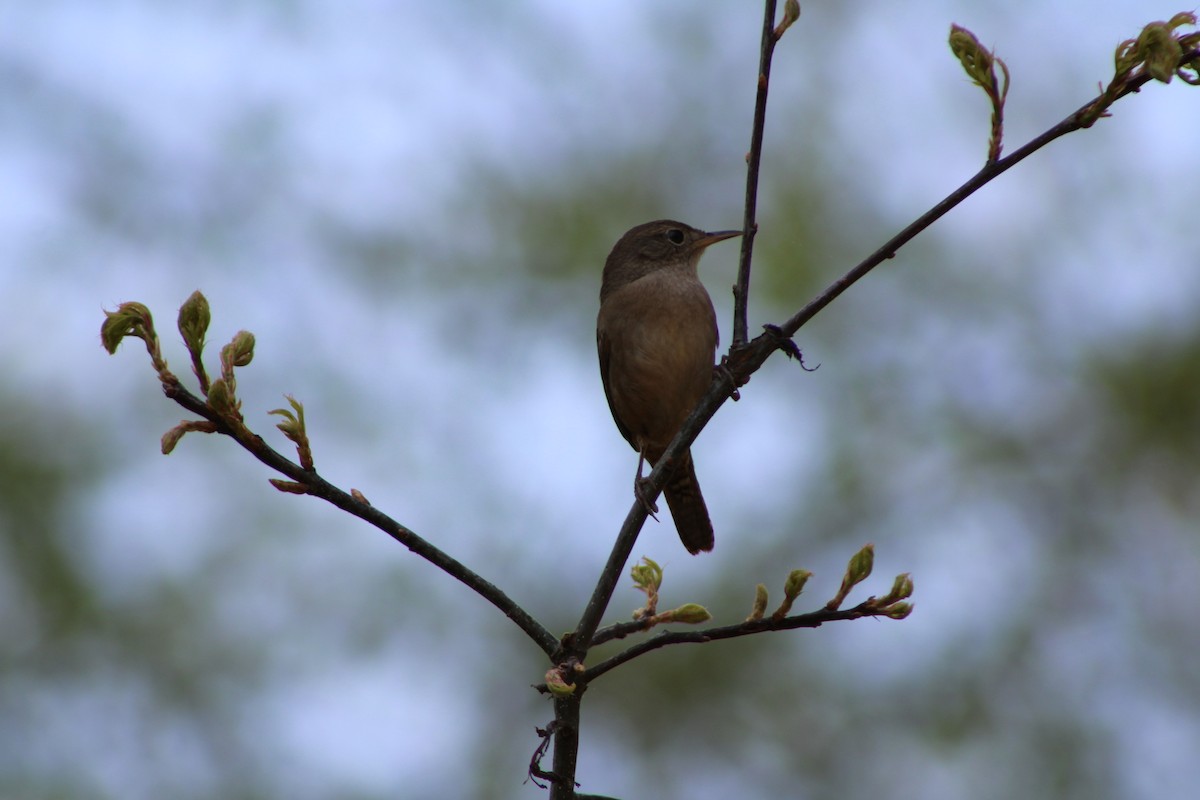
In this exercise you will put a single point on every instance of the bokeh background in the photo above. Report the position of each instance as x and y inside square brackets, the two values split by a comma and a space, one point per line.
[409, 204]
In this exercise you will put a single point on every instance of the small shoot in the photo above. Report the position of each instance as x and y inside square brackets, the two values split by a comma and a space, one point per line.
[760, 603]
[792, 588]
[134, 320]
[857, 571]
[980, 66]
[194, 318]
[647, 578]
[294, 429]
[791, 13]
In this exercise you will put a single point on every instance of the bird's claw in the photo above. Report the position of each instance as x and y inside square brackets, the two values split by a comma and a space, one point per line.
[642, 490]
[723, 372]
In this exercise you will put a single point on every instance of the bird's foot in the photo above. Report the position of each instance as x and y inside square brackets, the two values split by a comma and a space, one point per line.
[723, 372]
[643, 491]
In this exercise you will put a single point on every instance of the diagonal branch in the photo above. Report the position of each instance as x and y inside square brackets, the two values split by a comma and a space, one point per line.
[1083, 117]
[743, 361]
[317, 486]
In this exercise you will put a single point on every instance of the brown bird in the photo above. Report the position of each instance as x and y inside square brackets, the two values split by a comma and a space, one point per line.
[657, 335]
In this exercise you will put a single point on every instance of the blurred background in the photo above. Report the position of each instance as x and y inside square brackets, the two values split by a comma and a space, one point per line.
[409, 204]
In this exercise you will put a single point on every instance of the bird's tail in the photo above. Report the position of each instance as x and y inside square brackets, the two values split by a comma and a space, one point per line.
[687, 507]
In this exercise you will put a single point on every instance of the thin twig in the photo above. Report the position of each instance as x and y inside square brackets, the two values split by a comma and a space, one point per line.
[814, 619]
[741, 289]
[319, 487]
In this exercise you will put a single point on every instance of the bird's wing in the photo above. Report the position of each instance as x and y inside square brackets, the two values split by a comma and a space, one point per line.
[604, 349]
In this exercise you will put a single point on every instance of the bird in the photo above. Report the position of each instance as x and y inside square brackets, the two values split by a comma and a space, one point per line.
[656, 336]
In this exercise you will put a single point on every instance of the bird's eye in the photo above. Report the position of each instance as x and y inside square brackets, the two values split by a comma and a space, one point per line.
[675, 236]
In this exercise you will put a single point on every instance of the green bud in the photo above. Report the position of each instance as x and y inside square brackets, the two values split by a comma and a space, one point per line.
[760, 603]
[902, 587]
[976, 60]
[791, 13]
[1160, 50]
[239, 352]
[690, 614]
[221, 399]
[130, 319]
[194, 317]
[898, 610]
[794, 584]
[860, 566]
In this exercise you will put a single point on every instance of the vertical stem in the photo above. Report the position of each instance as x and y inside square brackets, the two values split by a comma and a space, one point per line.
[753, 160]
[566, 747]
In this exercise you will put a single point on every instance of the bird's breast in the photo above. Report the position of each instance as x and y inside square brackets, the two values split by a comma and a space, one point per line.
[661, 336]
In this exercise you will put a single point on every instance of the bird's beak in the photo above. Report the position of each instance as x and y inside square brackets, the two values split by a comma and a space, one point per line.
[714, 237]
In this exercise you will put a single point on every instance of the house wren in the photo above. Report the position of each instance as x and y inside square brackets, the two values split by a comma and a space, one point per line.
[657, 335]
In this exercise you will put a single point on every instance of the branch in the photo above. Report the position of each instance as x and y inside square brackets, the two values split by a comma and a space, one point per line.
[741, 289]
[813, 619]
[222, 415]
[359, 507]
[647, 577]
[1083, 117]
[743, 361]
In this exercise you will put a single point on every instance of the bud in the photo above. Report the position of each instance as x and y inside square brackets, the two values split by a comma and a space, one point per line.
[221, 399]
[194, 317]
[647, 576]
[791, 590]
[130, 319]
[857, 571]
[293, 424]
[760, 603]
[976, 60]
[557, 686]
[898, 610]
[791, 13]
[860, 566]
[794, 584]
[172, 437]
[238, 353]
[902, 587]
[688, 614]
